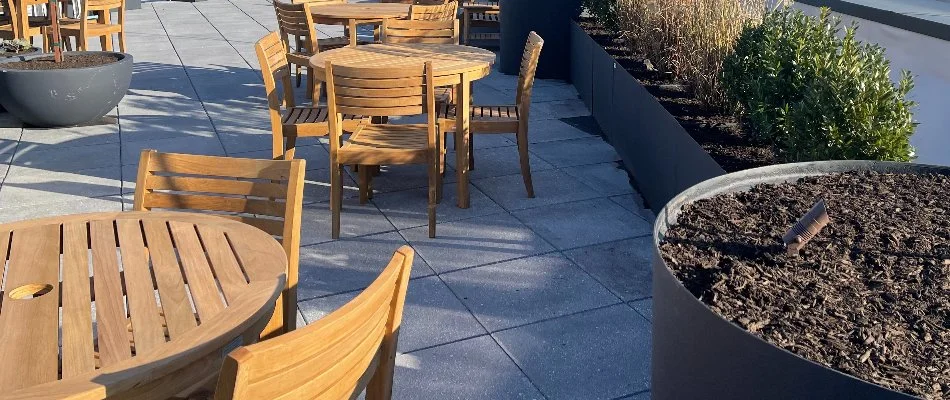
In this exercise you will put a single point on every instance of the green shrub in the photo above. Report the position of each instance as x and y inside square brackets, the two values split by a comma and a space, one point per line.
[815, 94]
[604, 11]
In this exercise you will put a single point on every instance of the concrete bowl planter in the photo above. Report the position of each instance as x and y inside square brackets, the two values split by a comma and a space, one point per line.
[17, 57]
[64, 97]
[697, 354]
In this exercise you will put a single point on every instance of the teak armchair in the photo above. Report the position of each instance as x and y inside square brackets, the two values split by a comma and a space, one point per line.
[439, 12]
[337, 357]
[289, 122]
[267, 194]
[417, 31]
[28, 26]
[509, 118]
[382, 92]
[83, 28]
[295, 21]
[9, 29]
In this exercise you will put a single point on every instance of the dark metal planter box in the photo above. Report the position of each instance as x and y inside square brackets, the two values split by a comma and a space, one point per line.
[661, 156]
[549, 18]
[699, 355]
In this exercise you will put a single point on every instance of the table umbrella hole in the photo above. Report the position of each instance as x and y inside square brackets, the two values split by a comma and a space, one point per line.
[30, 291]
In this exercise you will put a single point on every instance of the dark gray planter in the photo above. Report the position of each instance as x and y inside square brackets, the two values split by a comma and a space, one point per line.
[64, 97]
[551, 20]
[663, 159]
[699, 355]
[18, 56]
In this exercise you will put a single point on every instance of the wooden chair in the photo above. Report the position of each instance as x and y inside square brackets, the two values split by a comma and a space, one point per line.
[83, 28]
[9, 29]
[337, 357]
[510, 118]
[267, 194]
[295, 21]
[413, 31]
[287, 120]
[382, 92]
[439, 12]
[421, 2]
[481, 13]
[28, 27]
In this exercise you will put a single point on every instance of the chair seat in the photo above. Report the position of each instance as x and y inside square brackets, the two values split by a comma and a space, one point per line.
[332, 43]
[375, 144]
[501, 113]
[312, 121]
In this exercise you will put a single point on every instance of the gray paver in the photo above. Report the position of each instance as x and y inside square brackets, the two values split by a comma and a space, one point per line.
[623, 266]
[355, 220]
[349, 264]
[583, 223]
[552, 129]
[470, 369]
[600, 354]
[607, 178]
[550, 187]
[644, 307]
[25, 185]
[432, 315]
[499, 161]
[527, 290]
[65, 157]
[568, 153]
[476, 241]
[409, 208]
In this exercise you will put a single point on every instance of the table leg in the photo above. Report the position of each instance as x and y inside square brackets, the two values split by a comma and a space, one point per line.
[352, 25]
[463, 92]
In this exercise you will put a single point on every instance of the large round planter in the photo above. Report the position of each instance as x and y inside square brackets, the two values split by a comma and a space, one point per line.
[64, 97]
[551, 20]
[699, 355]
[16, 57]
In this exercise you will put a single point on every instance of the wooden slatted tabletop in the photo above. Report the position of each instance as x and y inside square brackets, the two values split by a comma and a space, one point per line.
[452, 64]
[142, 301]
[353, 14]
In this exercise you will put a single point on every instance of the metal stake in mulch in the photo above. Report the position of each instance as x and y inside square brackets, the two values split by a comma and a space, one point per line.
[806, 228]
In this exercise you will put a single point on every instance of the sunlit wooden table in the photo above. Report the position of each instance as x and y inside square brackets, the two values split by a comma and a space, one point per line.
[452, 64]
[136, 302]
[353, 14]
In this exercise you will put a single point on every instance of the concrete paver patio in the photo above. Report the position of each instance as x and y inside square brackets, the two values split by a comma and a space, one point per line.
[517, 298]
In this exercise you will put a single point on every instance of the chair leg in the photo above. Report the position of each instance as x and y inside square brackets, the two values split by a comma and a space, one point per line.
[298, 69]
[364, 174]
[522, 137]
[290, 149]
[277, 145]
[433, 195]
[122, 40]
[471, 152]
[336, 198]
[106, 42]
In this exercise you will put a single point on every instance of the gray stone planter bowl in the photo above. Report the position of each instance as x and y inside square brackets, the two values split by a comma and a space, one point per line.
[699, 355]
[64, 97]
[15, 57]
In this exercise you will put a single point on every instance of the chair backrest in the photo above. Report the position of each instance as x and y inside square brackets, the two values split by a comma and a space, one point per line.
[529, 65]
[318, 2]
[272, 55]
[8, 16]
[267, 194]
[295, 20]
[352, 349]
[439, 12]
[430, 32]
[379, 92]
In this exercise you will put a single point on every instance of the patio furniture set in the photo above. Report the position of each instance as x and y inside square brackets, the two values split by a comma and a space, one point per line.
[158, 302]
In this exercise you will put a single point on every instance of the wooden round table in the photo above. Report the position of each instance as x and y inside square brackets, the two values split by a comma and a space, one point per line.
[353, 14]
[452, 64]
[150, 302]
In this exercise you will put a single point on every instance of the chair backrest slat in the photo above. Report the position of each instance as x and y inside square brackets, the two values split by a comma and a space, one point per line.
[318, 2]
[377, 91]
[430, 32]
[529, 65]
[102, 5]
[337, 357]
[439, 12]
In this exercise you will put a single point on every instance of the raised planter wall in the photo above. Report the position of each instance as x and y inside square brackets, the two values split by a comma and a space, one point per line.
[662, 158]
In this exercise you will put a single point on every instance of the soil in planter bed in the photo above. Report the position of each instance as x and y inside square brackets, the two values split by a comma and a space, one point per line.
[69, 61]
[717, 131]
[868, 296]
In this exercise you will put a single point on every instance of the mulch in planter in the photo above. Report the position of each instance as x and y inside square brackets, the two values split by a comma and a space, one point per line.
[869, 296]
[717, 131]
[69, 61]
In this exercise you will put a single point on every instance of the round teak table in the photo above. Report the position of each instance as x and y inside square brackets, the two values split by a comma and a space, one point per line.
[150, 302]
[452, 64]
[353, 14]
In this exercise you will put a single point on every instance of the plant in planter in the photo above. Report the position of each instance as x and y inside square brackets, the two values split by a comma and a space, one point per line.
[815, 94]
[15, 47]
[860, 312]
[63, 89]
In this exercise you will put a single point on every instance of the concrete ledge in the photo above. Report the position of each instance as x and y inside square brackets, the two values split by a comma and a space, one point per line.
[926, 17]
